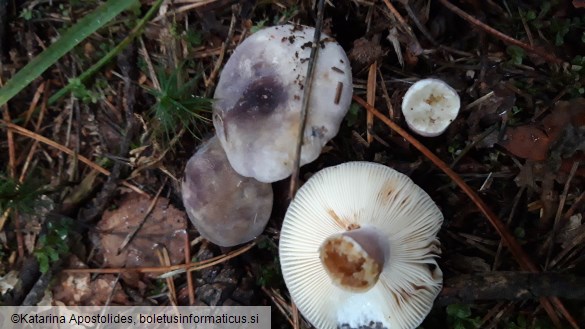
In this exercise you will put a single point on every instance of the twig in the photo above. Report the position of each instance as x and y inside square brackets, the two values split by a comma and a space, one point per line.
[551, 239]
[479, 101]
[519, 254]
[510, 217]
[45, 140]
[210, 81]
[12, 174]
[127, 63]
[163, 258]
[109, 300]
[371, 97]
[190, 285]
[151, 206]
[385, 95]
[195, 4]
[148, 61]
[467, 288]
[279, 302]
[471, 145]
[574, 206]
[34, 102]
[418, 23]
[166, 270]
[111, 295]
[10, 141]
[399, 17]
[33, 148]
[294, 181]
[505, 38]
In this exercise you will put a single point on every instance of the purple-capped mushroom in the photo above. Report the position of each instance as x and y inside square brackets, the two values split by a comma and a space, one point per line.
[258, 100]
[225, 207]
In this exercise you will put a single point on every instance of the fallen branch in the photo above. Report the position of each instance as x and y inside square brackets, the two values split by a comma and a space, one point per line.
[467, 288]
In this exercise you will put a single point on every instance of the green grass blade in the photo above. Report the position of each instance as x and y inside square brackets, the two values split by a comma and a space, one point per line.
[137, 30]
[73, 36]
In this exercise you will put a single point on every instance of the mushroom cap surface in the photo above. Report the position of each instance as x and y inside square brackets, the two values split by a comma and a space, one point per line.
[429, 106]
[225, 207]
[256, 112]
[363, 195]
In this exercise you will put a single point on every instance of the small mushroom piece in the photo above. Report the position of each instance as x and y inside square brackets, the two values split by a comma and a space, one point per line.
[226, 208]
[429, 106]
[358, 246]
[256, 112]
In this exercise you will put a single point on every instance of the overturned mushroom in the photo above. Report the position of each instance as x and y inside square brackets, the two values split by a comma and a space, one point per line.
[258, 99]
[429, 106]
[226, 208]
[358, 246]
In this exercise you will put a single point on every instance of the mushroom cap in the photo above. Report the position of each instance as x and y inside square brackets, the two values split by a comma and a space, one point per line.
[256, 112]
[429, 106]
[225, 207]
[365, 195]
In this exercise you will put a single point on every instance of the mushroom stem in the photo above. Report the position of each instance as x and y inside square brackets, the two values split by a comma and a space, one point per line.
[354, 259]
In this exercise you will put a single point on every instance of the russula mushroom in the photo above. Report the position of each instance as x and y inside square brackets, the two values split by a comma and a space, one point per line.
[256, 112]
[225, 207]
[429, 106]
[358, 246]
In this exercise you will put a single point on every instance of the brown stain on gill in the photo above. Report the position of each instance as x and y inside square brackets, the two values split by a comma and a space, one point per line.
[387, 191]
[341, 222]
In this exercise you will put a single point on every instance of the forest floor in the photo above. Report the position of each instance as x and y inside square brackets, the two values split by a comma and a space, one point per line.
[94, 138]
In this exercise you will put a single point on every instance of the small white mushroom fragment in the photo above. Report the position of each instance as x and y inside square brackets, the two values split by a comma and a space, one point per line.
[258, 100]
[225, 207]
[429, 106]
[358, 246]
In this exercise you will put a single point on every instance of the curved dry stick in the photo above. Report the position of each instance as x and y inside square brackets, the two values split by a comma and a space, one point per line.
[519, 254]
[294, 179]
[507, 39]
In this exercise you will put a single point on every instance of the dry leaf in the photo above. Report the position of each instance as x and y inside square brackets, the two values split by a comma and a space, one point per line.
[527, 142]
[81, 290]
[562, 131]
[164, 226]
[364, 53]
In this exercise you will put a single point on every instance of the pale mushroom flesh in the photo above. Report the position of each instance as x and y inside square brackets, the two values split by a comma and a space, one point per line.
[430, 106]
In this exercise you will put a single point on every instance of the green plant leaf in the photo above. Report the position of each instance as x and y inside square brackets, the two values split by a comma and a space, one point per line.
[516, 53]
[43, 260]
[459, 311]
[137, 30]
[52, 245]
[176, 106]
[22, 197]
[73, 36]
